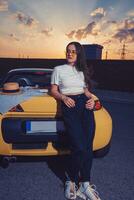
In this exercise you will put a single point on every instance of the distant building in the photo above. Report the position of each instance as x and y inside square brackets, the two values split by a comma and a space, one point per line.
[93, 51]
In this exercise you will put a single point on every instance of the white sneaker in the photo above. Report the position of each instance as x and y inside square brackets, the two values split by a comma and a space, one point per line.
[88, 192]
[70, 190]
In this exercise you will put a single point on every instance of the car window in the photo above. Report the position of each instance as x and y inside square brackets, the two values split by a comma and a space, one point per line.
[42, 79]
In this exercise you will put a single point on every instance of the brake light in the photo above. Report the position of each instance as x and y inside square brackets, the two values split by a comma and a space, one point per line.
[98, 105]
[16, 108]
[40, 73]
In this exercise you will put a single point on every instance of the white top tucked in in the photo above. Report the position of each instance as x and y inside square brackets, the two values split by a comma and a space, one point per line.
[68, 79]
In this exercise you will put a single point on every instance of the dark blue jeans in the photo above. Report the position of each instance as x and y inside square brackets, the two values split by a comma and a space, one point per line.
[80, 125]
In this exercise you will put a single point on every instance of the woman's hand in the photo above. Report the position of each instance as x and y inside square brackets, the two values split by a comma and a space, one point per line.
[57, 95]
[68, 101]
[90, 104]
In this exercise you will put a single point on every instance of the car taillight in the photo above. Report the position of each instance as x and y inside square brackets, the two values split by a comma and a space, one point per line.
[40, 73]
[16, 108]
[98, 105]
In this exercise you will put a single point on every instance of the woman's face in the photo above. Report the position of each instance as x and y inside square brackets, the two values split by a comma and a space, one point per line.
[71, 54]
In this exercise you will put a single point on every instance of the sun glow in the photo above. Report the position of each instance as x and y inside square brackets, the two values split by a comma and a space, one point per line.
[43, 30]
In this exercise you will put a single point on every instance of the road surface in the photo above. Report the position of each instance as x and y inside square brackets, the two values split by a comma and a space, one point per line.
[42, 178]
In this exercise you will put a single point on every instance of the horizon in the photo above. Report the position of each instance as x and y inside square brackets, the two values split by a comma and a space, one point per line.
[35, 58]
[41, 30]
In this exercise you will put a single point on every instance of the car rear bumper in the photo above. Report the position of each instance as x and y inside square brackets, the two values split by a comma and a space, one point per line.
[14, 131]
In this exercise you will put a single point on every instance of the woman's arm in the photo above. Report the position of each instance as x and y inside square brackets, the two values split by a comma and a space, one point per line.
[90, 103]
[87, 93]
[57, 95]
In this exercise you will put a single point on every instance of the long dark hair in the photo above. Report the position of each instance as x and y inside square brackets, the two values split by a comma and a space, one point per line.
[81, 64]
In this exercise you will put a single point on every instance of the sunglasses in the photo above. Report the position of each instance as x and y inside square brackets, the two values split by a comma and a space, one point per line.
[73, 52]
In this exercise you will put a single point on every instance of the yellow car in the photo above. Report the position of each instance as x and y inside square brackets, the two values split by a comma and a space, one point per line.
[31, 119]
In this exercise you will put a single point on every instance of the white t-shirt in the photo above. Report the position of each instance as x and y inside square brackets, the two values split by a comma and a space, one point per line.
[68, 79]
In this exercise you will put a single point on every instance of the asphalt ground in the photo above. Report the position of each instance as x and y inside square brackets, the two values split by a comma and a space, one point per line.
[42, 178]
[115, 96]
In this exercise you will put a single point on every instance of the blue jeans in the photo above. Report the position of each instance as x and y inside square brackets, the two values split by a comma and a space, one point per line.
[80, 125]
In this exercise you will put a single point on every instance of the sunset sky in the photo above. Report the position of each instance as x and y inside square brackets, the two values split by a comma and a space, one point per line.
[43, 28]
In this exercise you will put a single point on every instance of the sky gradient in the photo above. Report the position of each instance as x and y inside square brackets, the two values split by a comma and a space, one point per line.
[43, 28]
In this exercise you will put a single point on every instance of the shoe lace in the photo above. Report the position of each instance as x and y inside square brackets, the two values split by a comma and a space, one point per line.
[93, 188]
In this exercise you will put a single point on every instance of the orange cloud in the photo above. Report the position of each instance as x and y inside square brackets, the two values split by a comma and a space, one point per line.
[98, 13]
[3, 5]
[71, 34]
[82, 32]
[47, 32]
[24, 19]
[126, 32]
[12, 36]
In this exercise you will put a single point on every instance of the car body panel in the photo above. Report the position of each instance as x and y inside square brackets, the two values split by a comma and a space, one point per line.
[101, 139]
[40, 108]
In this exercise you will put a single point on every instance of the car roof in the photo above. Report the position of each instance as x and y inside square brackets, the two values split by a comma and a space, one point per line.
[30, 69]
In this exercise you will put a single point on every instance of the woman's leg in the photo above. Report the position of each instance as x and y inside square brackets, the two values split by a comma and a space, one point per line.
[88, 123]
[77, 141]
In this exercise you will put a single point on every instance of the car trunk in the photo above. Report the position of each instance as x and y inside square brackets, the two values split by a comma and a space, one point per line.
[39, 122]
[46, 105]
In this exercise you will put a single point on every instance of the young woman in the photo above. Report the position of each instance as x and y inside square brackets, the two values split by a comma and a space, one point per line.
[70, 83]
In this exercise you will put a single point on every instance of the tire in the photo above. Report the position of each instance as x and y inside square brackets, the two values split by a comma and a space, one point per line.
[4, 163]
[102, 152]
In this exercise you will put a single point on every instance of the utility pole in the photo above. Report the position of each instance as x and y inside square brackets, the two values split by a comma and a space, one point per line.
[106, 55]
[123, 52]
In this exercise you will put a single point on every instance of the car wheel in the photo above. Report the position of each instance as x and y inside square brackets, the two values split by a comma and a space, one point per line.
[102, 152]
[4, 162]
